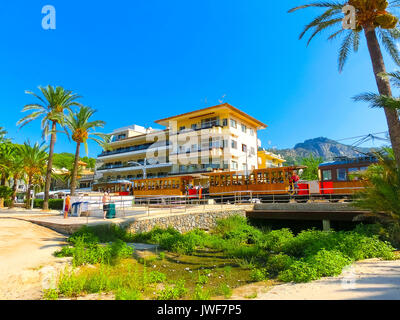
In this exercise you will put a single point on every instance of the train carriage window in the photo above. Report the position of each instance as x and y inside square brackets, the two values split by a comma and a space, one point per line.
[341, 174]
[353, 174]
[212, 179]
[222, 180]
[326, 175]
[228, 180]
[234, 179]
[251, 179]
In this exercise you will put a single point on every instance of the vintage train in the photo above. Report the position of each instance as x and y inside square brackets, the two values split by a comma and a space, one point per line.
[337, 180]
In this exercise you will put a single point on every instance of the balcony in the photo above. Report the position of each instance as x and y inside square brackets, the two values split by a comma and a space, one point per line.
[134, 149]
[131, 167]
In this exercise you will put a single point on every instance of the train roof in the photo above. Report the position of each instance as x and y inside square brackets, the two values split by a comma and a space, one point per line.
[347, 160]
[291, 168]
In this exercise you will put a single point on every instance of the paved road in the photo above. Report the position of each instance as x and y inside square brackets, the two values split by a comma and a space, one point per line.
[26, 260]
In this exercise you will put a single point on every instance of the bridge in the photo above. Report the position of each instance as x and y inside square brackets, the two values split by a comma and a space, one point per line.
[325, 212]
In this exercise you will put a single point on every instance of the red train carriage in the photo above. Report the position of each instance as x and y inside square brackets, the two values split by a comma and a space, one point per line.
[337, 177]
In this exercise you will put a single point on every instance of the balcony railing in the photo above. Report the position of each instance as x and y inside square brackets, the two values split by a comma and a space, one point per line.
[128, 165]
[141, 147]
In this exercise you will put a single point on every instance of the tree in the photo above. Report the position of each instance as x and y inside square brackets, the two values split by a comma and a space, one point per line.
[50, 109]
[63, 160]
[82, 129]
[91, 162]
[312, 164]
[3, 134]
[6, 154]
[372, 19]
[34, 158]
[382, 194]
[16, 171]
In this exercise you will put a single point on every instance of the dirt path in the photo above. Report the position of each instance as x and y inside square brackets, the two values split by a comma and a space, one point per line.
[26, 262]
[366, 280]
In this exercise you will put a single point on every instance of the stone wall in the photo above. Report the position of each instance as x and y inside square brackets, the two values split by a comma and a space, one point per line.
[182, 222]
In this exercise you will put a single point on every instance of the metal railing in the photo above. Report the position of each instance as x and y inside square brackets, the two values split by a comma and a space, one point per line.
[130, 206]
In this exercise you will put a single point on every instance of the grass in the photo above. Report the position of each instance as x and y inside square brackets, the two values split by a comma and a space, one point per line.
[199, 265]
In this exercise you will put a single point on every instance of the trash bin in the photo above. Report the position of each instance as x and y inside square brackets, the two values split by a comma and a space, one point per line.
[110, 211]
[75, 209]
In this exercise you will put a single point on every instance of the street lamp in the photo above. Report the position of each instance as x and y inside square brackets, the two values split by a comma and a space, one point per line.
[144, 167]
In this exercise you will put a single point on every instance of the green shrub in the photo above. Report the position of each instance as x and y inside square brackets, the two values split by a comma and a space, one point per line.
[299, 271]
[50, 294]
[5, 192]
[69, 284]
[103, 233]
[328, 263]
[244, 252]
[308, 242]
[87, 251]
[257, 275]
[161, 256]
[276, 240]
[157, 277]
[127, 294]
[201, 294]
[55, 204]
[224, 290]
[236, 227]
[173, 292]
[202, 277]
[64, 252]
[279, 262]
[154, 235]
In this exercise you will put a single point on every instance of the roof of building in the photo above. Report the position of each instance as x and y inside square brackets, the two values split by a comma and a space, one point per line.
[224, 105]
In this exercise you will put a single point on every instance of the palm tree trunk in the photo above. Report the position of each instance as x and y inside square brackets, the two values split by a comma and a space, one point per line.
[14, 191]
[75, 170]
[28, 193]
[384, 89]
[49, 166]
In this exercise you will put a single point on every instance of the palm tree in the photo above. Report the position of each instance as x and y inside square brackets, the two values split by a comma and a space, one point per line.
[53, 104]
[381, 100]
[82, 130]
[2, 135]
[16, 171]
[34, 158]
[373, 19]
[6, 156]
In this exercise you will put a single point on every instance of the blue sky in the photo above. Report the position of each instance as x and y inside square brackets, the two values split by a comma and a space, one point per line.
[139, 61]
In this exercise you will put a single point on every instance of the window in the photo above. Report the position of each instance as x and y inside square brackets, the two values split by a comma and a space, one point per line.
[194, 126]
[342, 174]
[244, 167]
[224, 122]
[244, 148]
[252, 132]
[182, 128]
[252, 150]
[244, 128]
[352, 173]
[234, 144]
[235, 165]
[233, 123]
[326, 175]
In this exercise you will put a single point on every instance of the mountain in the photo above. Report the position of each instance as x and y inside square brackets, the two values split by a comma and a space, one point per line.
[318, 147]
